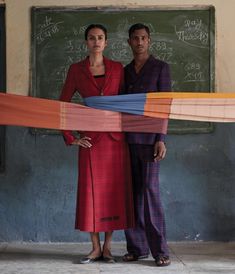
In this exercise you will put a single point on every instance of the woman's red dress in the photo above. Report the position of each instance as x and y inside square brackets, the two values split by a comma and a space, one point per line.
[104, 198]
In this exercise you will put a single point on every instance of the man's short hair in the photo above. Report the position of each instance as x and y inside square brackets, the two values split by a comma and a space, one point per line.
[137, 27]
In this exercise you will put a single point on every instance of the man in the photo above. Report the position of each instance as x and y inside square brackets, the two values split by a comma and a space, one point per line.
[146, 74]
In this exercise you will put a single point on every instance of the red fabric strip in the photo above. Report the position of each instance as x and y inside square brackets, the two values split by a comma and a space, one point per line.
[43, 113]
[28, 111]
[137, 123]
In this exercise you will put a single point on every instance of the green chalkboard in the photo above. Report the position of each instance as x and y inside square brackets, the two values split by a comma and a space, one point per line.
[182, 37]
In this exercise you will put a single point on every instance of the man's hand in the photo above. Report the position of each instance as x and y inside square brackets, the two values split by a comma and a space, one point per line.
[159, 151]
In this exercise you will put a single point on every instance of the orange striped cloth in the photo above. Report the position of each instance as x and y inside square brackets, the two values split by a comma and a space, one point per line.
[51, 114]
[134, 113]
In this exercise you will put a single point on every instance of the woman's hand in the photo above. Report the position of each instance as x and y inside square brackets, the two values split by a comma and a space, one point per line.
[83, 142]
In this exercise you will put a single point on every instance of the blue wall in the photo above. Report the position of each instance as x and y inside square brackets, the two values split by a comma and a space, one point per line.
[38, 188]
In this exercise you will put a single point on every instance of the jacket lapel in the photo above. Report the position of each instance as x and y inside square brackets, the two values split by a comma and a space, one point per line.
[108, 72]
[146, 67]
[87, 72]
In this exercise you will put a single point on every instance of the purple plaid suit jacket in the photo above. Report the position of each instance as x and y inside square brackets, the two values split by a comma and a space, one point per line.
[154, 76]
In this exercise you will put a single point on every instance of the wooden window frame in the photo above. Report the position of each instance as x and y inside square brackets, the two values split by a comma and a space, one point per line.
[2, 81]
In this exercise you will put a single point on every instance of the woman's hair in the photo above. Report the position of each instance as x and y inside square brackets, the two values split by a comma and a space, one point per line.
[96, 26]
[137, 27]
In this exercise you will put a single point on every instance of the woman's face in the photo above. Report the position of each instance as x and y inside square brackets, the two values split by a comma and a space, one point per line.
[96, 41]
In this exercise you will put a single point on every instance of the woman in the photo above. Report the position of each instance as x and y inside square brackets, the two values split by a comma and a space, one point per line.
[104, 200]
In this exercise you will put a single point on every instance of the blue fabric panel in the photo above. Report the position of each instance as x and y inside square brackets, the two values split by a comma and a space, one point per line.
[130, 103]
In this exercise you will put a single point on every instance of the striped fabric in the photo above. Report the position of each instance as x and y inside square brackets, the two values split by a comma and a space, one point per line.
[43, 113]
[147, 112]
[150, 231]
[211, 107]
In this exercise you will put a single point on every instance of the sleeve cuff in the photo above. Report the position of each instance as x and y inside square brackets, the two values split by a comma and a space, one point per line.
[68, 137]
[160, 137]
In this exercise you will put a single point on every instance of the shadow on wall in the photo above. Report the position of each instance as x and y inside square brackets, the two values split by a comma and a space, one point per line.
[38, 190]
[197, 183]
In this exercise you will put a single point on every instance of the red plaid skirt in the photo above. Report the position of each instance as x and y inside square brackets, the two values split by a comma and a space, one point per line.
[104, 198]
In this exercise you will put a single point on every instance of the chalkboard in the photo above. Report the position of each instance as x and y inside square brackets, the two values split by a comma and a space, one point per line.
[183, 37]
[2, 81]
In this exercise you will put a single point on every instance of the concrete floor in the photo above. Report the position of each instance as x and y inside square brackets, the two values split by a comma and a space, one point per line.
[190, 258]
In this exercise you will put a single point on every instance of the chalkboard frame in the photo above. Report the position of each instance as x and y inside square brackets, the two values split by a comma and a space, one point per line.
[199, 127]
[2, 81]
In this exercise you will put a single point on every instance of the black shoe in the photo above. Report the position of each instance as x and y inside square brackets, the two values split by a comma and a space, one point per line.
[87, 260]
[109, 259]
[129, 257]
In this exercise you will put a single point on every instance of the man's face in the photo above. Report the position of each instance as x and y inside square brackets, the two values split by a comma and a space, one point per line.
[139, 41]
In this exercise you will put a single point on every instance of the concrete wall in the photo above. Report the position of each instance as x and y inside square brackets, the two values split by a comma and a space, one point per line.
[38, 189]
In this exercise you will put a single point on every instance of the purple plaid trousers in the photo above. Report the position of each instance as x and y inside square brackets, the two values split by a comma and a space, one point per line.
[149, 231]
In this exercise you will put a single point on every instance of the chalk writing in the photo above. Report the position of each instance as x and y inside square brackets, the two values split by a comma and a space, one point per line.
[186, 36]
[174, 84]
[161, 45]
[193, 32]
[118, 45]
[47, 29]
[59, 74]
[183, 42]
[194, 77]
[193, 72]
[192, 66]
[119, 50]
[82, 29]
[121, 55]
[75, 46]
[122, 27]
[150, 26]
[195, 23]
[162, 50]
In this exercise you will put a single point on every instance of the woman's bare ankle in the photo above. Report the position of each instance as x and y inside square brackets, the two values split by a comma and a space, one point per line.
[95, 253]
[107, 251]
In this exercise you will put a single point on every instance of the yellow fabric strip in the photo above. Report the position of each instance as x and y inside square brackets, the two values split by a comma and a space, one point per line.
[185, 95]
